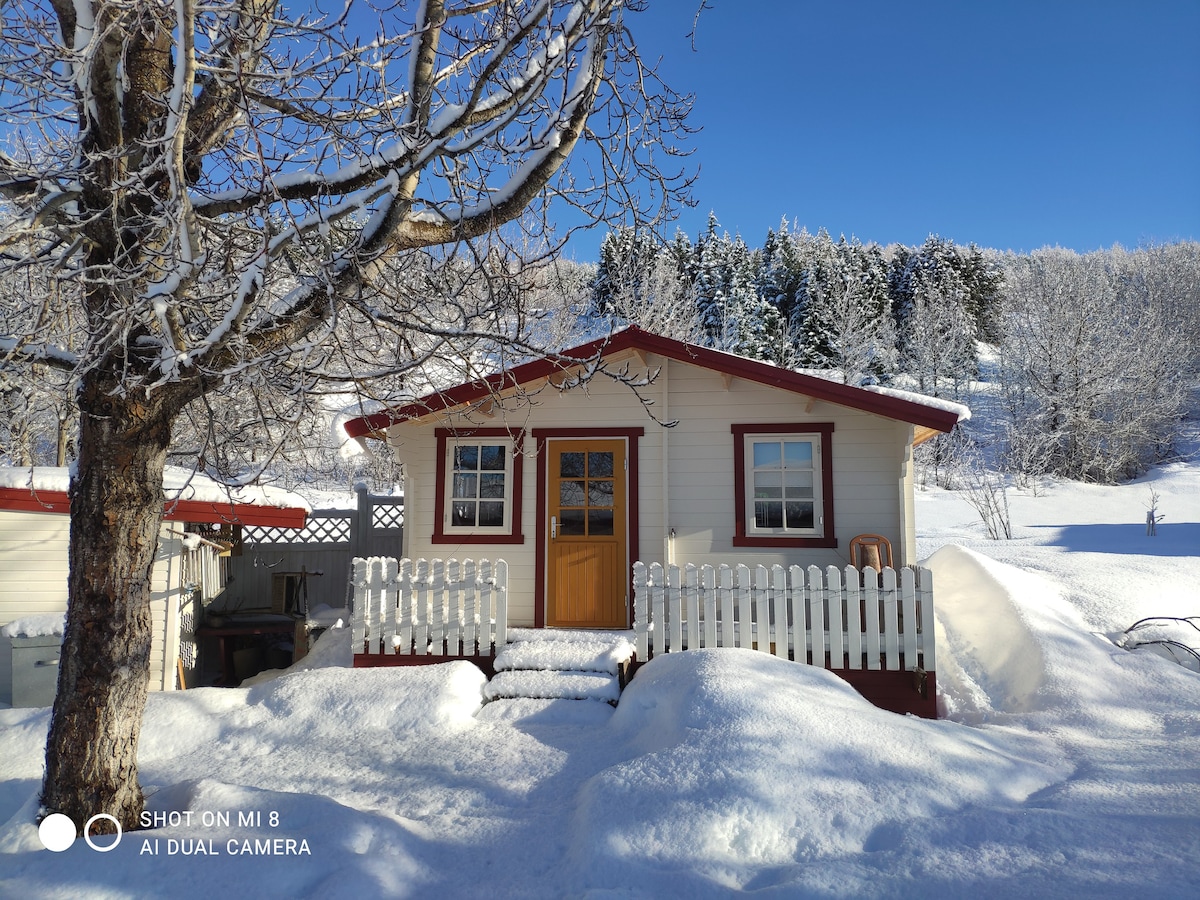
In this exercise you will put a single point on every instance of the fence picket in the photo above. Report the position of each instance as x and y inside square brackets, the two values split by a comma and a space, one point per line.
[870, 593]
[675, 609]
[437, 604]
[360, 624]
[762, 609]
[742, 617]
[500, 589]
[387, 601]
[836, 606]
[727, 637]
[405, 608]
[458, 611]
[908, 617]
[421, 612]
[659, 602]
[817, 600]
[928, 650]
[708, 579]
[641, 611]
[891, 624]
[692, 592]
[487, 598]
[854, 619]
[779, 611]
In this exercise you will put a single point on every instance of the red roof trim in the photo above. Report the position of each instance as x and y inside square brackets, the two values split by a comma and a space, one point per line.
[26, 500]
[634, 338]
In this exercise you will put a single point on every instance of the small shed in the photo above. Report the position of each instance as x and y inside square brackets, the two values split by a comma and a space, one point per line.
[34, 533]
[687, 455]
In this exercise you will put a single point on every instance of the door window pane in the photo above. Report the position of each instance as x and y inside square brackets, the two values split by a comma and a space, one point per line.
[571, 465]
[571, 522]
[600, 465]
[600, 521]
[600, 492]
[571, 493]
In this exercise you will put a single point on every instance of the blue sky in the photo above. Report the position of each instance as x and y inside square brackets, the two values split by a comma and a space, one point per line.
[1015, 124]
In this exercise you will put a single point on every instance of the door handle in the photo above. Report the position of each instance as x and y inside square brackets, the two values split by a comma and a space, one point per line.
[553, 527]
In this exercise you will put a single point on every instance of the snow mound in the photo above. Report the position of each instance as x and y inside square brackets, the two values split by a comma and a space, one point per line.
[988, 657]
[739, 759]
[337, 700]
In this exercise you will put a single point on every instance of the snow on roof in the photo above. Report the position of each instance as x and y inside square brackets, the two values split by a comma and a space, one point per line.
[959, 409]
[916, 409]
[178, 484]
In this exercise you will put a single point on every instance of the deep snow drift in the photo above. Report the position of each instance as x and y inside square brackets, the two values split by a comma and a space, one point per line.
[1066, 766]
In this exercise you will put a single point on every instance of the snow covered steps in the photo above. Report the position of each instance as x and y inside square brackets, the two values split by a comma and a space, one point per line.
[540, 671]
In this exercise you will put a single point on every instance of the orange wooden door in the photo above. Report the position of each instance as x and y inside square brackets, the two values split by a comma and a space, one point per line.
[587, 582]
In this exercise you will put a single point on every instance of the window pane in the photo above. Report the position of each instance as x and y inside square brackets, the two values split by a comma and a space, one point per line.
[600, 492]
[768, 485]
[570, 493]
[800, 514]
[798, 454]
[491, 486]
[570, 465]
[600, 465]
[766, 455]
[600, 521]
[768, 514]
[466, 456]
[462, 513]
[570, 522]
[491, 458]
[491, 513]
[466, 486]
[799, 484]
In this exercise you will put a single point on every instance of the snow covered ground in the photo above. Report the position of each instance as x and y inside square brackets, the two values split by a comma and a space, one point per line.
[1067, 766]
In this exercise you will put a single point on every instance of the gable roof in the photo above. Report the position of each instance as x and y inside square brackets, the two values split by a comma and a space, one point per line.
[927, 414]
[189, 498]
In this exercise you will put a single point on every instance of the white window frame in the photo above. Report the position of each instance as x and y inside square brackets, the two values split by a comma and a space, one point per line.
[818, 463]
[452, 445]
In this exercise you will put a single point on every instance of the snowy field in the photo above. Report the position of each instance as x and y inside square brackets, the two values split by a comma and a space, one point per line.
[1067, 766]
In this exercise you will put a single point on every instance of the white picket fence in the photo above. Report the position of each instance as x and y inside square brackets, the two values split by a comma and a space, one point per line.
[429, 607]
[836, 619]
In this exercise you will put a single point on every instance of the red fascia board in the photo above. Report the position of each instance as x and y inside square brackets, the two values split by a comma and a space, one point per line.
[634, 338]
[24, 500]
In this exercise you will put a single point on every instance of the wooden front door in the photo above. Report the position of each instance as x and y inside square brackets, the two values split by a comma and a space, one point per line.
[587, 582]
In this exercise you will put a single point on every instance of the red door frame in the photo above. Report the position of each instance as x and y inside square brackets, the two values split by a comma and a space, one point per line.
[540, 436]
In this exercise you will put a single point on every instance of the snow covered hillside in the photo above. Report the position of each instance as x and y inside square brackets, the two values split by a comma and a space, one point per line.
[1066, 765]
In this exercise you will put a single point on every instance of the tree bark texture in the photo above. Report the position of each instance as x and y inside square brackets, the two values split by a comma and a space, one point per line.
[104, 673]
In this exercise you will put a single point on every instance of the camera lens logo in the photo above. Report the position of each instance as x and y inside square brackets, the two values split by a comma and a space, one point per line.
[58, 832]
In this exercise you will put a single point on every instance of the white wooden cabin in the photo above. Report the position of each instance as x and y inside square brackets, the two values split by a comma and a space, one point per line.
[34, 533]
[712, 458]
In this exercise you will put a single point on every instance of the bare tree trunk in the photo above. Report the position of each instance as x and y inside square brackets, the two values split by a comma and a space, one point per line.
[116, 511]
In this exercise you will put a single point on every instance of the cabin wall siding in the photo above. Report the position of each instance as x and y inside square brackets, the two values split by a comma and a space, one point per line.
[34, 553]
